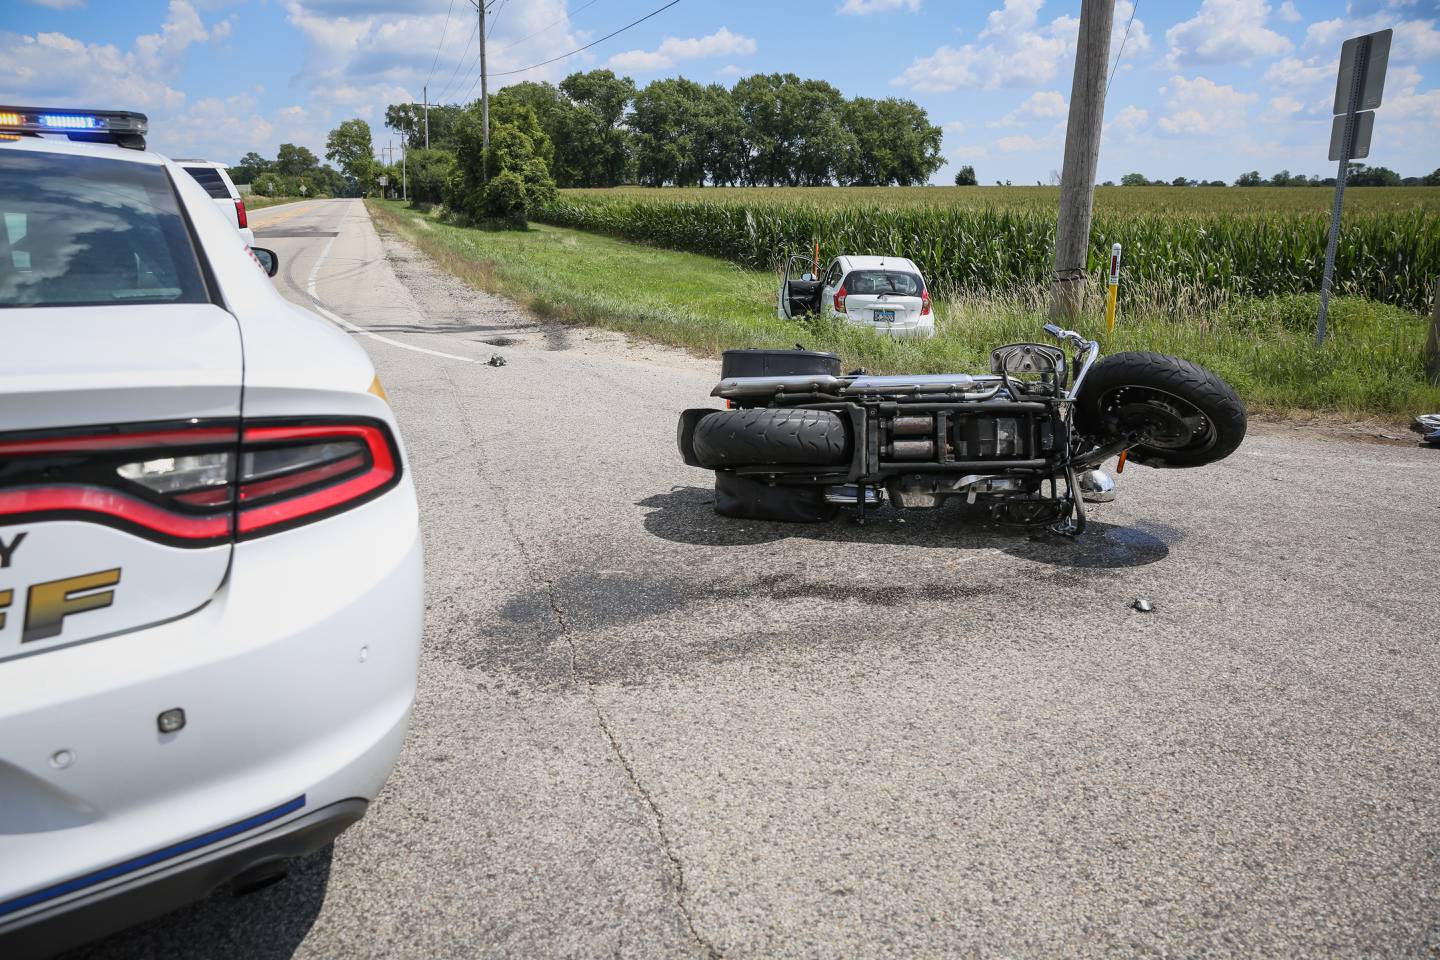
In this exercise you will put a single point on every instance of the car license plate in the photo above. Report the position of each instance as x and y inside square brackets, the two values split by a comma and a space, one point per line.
[884, 316]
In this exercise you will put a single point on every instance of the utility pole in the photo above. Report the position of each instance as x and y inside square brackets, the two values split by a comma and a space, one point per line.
[1082, 156]
[484, 94]
[404, 173]
[425, 95]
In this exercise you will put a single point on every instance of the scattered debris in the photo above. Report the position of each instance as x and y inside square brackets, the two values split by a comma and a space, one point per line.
[501, 341]
[1428, 426]
[496, 360]
[1143, 605]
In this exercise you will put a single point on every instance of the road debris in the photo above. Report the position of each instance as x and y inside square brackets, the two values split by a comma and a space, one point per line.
[1143, 605]
[1428, 426]
[496, 360]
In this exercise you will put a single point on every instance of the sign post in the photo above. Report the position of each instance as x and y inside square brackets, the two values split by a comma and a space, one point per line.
[1114, 288]
[1358, 88]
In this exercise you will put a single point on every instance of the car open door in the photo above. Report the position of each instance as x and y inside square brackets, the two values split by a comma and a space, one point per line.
[798, 284]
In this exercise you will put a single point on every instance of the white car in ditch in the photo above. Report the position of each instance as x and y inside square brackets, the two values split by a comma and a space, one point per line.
[210, 560]
[884, 294]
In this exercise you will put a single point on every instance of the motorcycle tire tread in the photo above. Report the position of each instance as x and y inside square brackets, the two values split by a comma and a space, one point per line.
[1189, 381]
[765, 436]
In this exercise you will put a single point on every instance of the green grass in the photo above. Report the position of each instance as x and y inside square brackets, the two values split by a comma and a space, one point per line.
[1370, 366]
[256, 202]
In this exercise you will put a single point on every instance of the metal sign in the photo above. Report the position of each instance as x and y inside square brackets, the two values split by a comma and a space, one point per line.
[1376, 50]
[1358, 87]
[383, 180]
[1359, 138]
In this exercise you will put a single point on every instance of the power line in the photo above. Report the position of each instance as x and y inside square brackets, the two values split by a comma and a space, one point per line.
[567, 17]
[443, 31]
[449, 83]
[1116, 66]
[507, 73]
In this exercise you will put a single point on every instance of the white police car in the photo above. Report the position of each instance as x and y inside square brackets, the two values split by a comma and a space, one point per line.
[210, 565]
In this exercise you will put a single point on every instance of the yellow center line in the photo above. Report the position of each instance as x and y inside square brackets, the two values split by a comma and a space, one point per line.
[256, 222]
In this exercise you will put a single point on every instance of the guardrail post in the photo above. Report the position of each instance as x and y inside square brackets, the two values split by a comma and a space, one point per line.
[1432, 344]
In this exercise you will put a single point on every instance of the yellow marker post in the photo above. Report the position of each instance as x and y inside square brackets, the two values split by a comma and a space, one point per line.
[1114, 287]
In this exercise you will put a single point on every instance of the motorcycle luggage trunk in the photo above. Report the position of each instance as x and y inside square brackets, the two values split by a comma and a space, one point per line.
[777, 363]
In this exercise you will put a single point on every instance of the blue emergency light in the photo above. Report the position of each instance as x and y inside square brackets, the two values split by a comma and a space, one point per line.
[120, 127]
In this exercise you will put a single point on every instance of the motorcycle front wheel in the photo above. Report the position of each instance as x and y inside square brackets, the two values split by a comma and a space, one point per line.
[1181, 414]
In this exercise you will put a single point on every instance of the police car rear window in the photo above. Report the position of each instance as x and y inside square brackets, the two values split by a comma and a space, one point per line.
[79, 231]
[209, 178]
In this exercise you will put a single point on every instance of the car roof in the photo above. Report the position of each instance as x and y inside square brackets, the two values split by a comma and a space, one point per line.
[64, 145]
[183, 161]
[877, 263]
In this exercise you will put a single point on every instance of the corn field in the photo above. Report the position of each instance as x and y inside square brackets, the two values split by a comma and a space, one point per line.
[1389, 252]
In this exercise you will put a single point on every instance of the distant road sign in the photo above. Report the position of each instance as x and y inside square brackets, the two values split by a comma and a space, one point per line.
[1359, 142]
[1372, 80]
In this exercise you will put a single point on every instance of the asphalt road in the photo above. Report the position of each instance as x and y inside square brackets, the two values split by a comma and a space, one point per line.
[644, 730]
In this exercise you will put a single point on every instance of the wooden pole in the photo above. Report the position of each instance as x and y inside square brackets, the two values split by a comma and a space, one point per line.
[1432, 344]
[1082, 156]
[484, 95]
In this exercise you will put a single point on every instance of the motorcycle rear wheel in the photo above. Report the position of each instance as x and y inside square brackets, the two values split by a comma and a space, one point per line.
[1184, 415]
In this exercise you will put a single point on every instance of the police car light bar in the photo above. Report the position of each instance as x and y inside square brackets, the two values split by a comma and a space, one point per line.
[106, 126]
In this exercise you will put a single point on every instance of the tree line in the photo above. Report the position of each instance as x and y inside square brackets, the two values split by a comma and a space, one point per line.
[1359, 175]
[766, 130]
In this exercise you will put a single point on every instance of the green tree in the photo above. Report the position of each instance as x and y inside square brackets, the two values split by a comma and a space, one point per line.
[1362, 176]
[430, 172]
[667, 123]
[965, 177]
[1251, 179]
[514, 178]
[250, 166]
[1432, 179]
[597, 149]
[294, 161]
[350, 146]
[1134, 180]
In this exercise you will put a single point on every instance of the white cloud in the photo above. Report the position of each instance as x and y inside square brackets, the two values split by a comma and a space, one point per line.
[721, 43]
[1018, 51]
[58, 4]
[1225, 31]
[858, 8]
[730, 70]
[1284, 107]
[1026, 143]
[1043, 105]
[954, 126]
[1201, 106]
[1414, 41]
[1132, 119]
[1288, 13]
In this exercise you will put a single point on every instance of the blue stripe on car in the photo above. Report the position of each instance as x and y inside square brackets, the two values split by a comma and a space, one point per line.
[165, 853]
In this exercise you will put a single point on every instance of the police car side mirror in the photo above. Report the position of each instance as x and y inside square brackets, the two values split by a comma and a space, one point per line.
[269, 260]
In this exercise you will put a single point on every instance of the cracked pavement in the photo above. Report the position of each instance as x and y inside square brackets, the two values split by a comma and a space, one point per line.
[643, 730]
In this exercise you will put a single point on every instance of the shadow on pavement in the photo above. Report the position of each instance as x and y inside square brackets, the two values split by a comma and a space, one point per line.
[687, 515]
[269, 924]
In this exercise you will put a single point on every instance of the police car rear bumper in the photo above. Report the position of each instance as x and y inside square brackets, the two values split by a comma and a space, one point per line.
[256, 852]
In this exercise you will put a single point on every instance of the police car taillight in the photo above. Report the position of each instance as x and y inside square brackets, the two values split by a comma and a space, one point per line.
[198, 483]
[122, 127]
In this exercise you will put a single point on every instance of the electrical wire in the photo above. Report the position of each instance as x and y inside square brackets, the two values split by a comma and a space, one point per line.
[567, 17]
[453, 73]
[1135, 6]
[443, 31]
[616, 33]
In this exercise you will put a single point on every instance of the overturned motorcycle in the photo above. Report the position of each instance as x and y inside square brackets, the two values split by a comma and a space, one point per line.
[1024, 442]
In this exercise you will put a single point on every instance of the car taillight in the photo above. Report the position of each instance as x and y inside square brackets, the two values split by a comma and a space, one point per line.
[840, 296]
[240, 213]
[924, 302]
[198, 483]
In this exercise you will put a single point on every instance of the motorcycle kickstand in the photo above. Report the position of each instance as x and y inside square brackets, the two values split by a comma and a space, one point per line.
[860, 519]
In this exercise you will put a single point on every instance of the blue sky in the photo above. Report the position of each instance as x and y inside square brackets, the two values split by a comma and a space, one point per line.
[1205, 88]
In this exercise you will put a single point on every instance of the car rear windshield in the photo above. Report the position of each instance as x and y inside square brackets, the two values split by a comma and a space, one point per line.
[892, 282]
[87, 230]
[210, 179]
